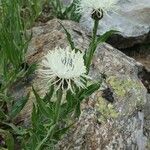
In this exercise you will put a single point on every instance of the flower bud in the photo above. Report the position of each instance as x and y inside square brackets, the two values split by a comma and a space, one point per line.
[97, 14]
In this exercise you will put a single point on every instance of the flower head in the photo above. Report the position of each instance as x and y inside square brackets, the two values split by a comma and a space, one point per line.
[63, 68]
[96, 6]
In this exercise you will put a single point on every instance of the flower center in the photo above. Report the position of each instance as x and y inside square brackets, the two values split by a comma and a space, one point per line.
[68, 62]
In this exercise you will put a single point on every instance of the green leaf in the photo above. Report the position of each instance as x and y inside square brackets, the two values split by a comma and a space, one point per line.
[71, 101]
[105, 36]
[83, 95]
[77, 109]
[17, 130]
[41, 104]
[70, 12]
[9, 140]
[31, 69]
[2, 148]
[58, 134]
[68, 9]
[88, 91]
[37, 119]
[34, 117]
[2, 115]
[49, 95]
[69, 38]
[47, 136]
[70, 98]
[18, 106]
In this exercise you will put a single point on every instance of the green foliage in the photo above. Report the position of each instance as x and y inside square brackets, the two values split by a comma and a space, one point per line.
[95, 41]
[53, 114]
[105, 36]
[9, 140]
[13, 44]
[31, 10]
[18, 106]
[50, 119]
[69, 38]
[65, 12]
[13, 47]
[8, 113]
[13, 40]
[45, 123]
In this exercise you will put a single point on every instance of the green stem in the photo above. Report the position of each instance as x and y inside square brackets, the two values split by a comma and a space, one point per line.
[96, 22]
[92, 46]
[46, 137]
[57, 111]
[55, 121]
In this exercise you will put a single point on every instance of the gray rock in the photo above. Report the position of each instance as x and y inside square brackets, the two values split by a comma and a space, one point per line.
[132, 19]
[103, 125]
[117, 125]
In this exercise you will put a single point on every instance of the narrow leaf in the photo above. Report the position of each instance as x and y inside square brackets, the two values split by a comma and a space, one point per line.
[18, 106]
[61, 132]
[88, 91]
[69, 38]
[105, 36]
[2, 115]
[31, 69]
[9, 140]
[68, 9]
[41, 104]
[34, 117]
[49, 95]
[17, 130]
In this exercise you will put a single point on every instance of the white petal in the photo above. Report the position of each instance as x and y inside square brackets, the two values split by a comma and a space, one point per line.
[65, 64]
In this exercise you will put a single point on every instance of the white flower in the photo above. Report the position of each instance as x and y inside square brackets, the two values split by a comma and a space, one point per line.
[63, 68]
[90, 6]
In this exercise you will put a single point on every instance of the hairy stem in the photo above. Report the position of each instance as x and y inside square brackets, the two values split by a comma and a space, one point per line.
[92, 46]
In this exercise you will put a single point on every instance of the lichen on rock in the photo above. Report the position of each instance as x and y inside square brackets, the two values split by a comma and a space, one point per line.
[128, 90]
[123, 86]
[106, 111]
